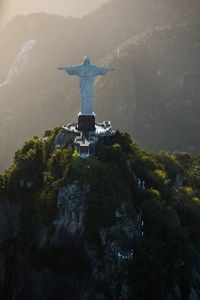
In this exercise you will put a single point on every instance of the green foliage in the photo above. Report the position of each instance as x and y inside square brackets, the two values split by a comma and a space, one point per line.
[108, 188]
[194, 176]
[171, 212]
[59, 161]
[160, 251]
[171, 217]
[169, 163]
[3, 186]
[124, 141]
[75, 154]
[46, 204]
[29, 161]
[188, 208]
[114, 154]
[46, 169]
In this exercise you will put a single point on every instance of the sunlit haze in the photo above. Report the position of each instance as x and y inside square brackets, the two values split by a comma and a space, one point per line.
[75, 8]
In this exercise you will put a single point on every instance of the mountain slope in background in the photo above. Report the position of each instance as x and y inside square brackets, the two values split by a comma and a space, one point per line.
[155, 89]
[34, 95]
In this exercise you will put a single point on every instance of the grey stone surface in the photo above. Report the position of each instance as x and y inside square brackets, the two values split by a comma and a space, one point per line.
[71, 204]
[62, 139]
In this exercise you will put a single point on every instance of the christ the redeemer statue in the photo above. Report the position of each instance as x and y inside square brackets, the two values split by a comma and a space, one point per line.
[86, 73]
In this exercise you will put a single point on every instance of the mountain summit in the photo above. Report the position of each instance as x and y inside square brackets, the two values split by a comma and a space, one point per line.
[123, 224]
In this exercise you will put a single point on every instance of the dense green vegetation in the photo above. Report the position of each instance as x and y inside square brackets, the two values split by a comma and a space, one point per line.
[171, 209]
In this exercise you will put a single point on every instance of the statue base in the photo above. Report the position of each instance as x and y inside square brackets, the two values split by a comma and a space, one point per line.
[86, 122]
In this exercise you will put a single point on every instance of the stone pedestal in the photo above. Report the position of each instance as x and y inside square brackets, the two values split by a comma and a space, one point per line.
[86, 122]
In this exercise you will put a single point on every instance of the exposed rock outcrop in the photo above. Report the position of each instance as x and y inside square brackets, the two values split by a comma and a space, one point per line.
[71, 205]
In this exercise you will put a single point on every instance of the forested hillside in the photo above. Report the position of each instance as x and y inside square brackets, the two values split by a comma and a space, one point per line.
[124, 224]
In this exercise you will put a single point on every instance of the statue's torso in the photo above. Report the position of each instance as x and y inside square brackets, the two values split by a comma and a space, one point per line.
[86, 74]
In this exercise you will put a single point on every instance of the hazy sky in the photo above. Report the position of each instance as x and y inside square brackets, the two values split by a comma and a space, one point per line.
[76, 8]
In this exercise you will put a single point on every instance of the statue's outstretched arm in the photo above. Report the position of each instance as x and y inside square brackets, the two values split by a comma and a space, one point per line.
[70, 70]
[102, 71]
[62, 69]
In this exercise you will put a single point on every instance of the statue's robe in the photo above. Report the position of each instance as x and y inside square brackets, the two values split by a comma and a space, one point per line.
[87, 74]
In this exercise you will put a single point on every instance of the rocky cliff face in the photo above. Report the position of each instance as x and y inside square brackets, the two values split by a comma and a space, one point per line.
[115, 226]
[71, 205]
[105, 273]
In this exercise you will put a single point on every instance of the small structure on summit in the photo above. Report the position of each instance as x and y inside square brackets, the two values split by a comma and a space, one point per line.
[89, 131]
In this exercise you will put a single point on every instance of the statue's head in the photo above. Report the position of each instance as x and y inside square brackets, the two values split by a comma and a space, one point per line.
[86, 61]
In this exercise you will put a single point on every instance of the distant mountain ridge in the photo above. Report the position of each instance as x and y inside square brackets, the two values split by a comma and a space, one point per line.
[74, 8]
[39, 96]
